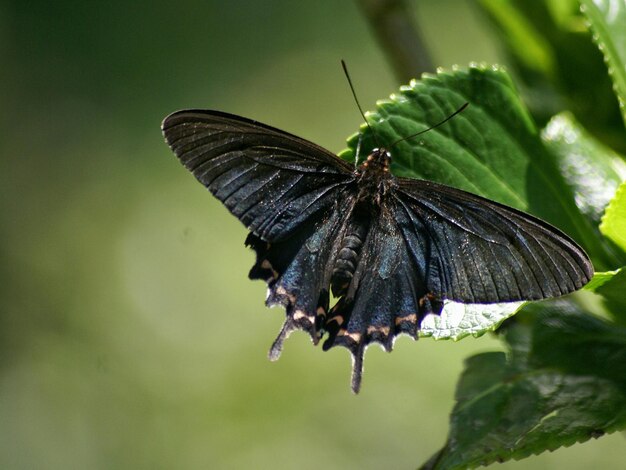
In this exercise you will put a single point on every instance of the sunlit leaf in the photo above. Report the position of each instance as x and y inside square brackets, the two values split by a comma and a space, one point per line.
[612, 291]
[459, 320]
[614, 221]
[600, 279]
[593, 170]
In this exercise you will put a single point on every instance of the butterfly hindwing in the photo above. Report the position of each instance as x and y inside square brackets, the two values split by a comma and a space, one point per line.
[271, 180]
[384, 297]
[431, 243]
[298, 272]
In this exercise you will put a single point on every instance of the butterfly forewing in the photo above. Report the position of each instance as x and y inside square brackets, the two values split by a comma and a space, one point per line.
[474, 250]
[270, 180]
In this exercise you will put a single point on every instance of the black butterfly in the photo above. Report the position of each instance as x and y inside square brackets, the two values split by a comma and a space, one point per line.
[390, 249]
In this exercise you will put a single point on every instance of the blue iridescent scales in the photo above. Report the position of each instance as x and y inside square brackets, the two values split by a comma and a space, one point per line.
[390, 250]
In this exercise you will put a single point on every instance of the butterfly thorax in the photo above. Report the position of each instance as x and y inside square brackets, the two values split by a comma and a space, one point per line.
[374, 178]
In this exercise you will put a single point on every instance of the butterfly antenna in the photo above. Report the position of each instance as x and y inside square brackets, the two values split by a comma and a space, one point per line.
[356, 100]
[465, 105]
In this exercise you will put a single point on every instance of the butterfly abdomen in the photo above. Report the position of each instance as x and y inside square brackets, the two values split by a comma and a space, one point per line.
[348, 255]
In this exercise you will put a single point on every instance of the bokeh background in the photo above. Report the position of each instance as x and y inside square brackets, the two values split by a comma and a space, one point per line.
[130, 335]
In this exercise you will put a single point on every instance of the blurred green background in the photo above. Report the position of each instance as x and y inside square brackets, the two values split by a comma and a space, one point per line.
[130, 335]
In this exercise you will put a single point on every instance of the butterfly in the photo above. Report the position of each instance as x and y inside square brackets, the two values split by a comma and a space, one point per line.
[357, 254]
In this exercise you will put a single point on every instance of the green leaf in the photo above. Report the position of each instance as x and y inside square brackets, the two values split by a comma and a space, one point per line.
[599, 279]
[522, 37]
[614, 221]
[563, 382]
[611, 287]
[608, 22]
[481, 150]
[492, 149]
[591, 169]
[613, 293]
[593, 172]
[573, 78]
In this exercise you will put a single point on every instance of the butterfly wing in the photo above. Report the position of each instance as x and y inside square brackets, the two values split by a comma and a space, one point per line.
[383, 299]
[272, 181]
[470, 249]
[431, 243]
[298, 271]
